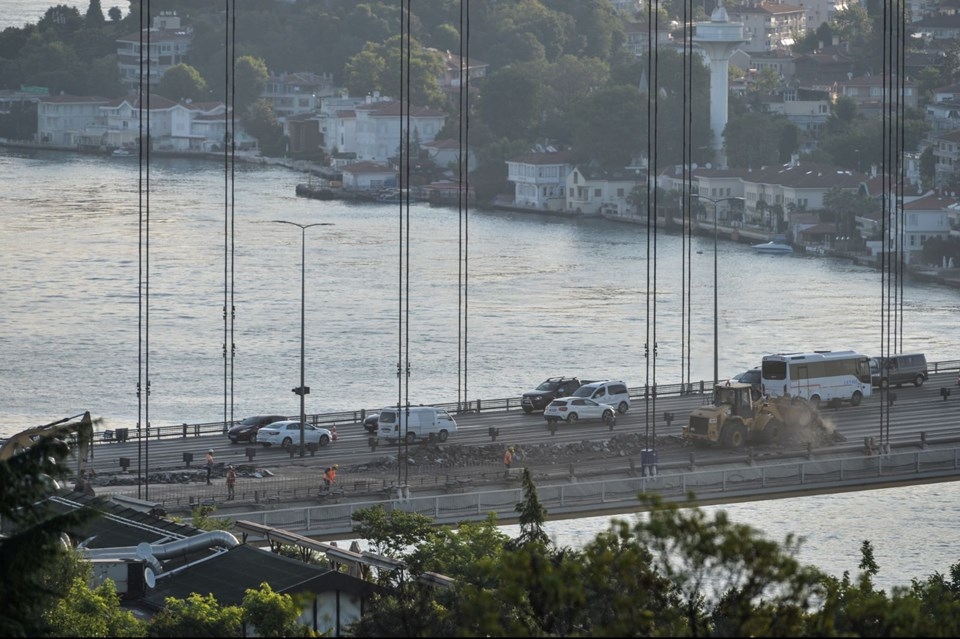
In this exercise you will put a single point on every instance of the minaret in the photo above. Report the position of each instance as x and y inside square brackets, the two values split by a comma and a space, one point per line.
[719, 38]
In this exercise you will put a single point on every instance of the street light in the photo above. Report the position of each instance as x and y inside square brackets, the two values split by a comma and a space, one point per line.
[303, 390]
[716, 306]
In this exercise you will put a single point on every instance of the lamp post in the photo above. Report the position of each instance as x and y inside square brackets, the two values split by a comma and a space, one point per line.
[303, 390]
[716, 304]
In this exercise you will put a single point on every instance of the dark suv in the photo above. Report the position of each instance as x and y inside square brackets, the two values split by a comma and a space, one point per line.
[549, 390]
[244, 430]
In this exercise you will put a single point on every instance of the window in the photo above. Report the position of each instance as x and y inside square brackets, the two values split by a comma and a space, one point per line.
[597, 193]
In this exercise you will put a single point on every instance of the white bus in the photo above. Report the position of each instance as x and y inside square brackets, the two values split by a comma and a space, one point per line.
[820, 376]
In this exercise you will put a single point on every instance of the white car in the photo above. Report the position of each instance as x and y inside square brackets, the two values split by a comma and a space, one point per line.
[287, 433]
[571, 409]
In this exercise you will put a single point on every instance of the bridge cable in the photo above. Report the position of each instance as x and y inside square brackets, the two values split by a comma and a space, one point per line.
[229, 254]
[463, 205]
[143, 288]
[686, 201]
[403, 363]
[893, 251]
[650, 346]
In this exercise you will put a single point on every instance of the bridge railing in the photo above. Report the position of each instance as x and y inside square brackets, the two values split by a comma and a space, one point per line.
[326, 420]
[621, 494]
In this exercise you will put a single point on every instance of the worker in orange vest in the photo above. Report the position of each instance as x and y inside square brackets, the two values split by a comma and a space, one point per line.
[507, 460]
[329, 477]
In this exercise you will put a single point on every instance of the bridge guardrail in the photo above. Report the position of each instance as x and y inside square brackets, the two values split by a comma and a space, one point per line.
[327, 420]
[583, 498]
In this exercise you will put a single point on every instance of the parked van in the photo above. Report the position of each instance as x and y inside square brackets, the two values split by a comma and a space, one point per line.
[612, 392]
[424, 422]
[898, 370]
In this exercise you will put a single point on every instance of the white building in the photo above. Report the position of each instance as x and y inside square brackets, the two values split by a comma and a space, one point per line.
[381, 128]
[166, 43]
[769, 25]
[72, 121]
[539, 180]
[595, 191]
[63, 119]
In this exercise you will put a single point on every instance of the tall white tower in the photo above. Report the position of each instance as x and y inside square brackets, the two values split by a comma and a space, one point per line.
[719, 38]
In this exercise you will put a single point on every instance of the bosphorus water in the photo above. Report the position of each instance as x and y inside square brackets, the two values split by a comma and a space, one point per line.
[546, 296]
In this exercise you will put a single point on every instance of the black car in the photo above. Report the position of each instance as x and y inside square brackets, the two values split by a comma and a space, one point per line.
[751, 377]
[244, 430]
[549, 390]
[372, 423]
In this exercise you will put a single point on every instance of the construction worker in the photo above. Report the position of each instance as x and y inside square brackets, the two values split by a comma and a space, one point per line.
[507, 460]
[231, 481]
[209, 465]
[330, 476]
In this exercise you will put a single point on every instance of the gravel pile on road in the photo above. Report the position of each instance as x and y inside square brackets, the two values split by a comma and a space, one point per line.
[458, 456]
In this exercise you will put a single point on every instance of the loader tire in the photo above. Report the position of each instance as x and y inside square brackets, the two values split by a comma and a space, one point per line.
[734, 434]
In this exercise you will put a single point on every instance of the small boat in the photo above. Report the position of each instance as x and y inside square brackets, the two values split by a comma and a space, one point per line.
[121, 153]
[775, 248]
[315, 192]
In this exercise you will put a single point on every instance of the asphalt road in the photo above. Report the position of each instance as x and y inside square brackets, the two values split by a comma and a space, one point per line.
[913, 411]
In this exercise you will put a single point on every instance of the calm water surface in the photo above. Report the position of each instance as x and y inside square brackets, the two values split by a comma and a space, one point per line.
[546, 296]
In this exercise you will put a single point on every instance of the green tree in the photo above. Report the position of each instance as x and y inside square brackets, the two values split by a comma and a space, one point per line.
[363, 71]
[94, 15]
[250, 78]
[532, 514]
[182, 82]
[459, 553]
[928, 168]
[610, 125]
[261, 122]
[390, 533]
[196, 616]
[37, 569]
[273, 614]
[728, 573]
[511, 102]
[382, 67]
[93, 613]
[755, 140]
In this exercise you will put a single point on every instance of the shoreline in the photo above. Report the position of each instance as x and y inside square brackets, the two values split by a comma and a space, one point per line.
[946, 277]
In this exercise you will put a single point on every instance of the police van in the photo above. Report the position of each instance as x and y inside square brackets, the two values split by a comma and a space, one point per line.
[415, 422]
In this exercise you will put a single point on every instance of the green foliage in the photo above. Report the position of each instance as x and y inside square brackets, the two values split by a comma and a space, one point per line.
[381, 67]
[461, 553]
[392, 533]
[261, 122]
[273, 614]
[755, 140]
[202, 520]
[250, 78]
[532, 514]
[183, 82]
[37, 570]
[511, 102]
[196, 616]
[93, 613]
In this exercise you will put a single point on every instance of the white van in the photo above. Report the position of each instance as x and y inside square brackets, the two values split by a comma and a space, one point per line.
[425, 422]
[612, 392]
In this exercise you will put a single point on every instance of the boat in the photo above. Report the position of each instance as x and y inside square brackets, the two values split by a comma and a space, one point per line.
[774, 248]
[315, 192]
[121, 153]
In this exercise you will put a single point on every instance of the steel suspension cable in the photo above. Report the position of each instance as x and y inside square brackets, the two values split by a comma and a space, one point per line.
[229, 254]
[686, 199]
[403, 337]
[650, 346]
[143, 351]
[463, 206]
